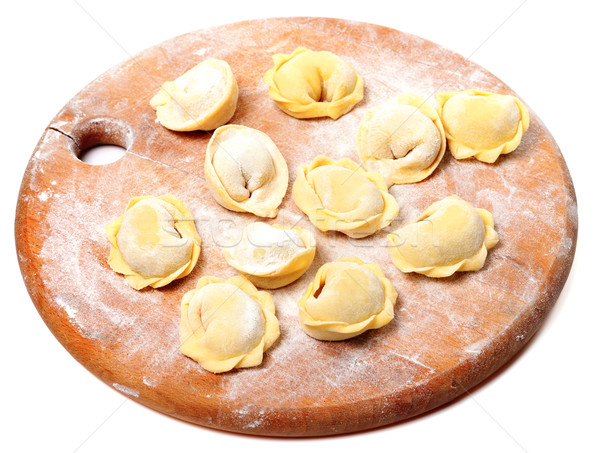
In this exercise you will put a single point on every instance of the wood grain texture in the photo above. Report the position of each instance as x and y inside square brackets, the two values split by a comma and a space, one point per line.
[448, 334]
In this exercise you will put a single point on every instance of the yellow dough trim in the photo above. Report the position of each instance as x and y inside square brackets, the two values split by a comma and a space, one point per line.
[183, 224]
[403, 140]
[307, 84]
[290, 271]
[481, 124]
[449, 236]
[341, 196]
[346, 298]
[244, 170]
[203, 98]
[227, 326]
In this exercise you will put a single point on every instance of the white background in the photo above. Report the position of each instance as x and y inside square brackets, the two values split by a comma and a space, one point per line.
[544, 401]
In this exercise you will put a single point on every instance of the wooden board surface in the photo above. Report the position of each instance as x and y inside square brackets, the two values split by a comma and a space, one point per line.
[448, 334]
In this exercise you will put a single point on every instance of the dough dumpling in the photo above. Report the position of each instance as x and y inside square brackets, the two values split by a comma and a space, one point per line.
[245, 171]
[307, 84]
[227, 324]
[403, 140]
[481, 124]
[450, 236]
[154, 242]
[271, 256]
[346, 298]
[203, 98]
[341, 196]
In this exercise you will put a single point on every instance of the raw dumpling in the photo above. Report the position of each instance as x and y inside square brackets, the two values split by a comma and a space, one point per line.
[346, 298]
[154, 242]
[403, 140]
[271, 256]
[245, 171]
[451, 235]
[342, 196]
[203, 98]
[482, 125]
[227, 324]
[307, 84]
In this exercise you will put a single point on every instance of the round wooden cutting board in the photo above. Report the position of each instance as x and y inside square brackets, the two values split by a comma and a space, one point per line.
[448, 334]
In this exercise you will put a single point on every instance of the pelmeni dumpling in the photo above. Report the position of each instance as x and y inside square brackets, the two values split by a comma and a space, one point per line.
[203, 98]
[271, 256]
[481, 124]
[403, 140]
[227, 324]
[307, 84]
[341, 196]
[245, 171]
[154, 242]
[451, 235]
[346, 298]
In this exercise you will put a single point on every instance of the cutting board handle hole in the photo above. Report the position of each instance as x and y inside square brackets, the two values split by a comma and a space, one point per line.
[102, 154]
[101, 141]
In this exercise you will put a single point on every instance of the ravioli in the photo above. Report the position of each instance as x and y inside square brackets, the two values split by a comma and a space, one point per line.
[449, 236]
[308, 84]
[154, 242]
[245, 171]
[271, 256]
[227, 324]
[481, 124]
[346, 298]
[341, 196]
[403, 140]
[203, 98]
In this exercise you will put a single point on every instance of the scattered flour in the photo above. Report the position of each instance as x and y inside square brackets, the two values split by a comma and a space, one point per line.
[262, 249]
[440, 324]
[70, 311]
[126, 390]
[150, 382]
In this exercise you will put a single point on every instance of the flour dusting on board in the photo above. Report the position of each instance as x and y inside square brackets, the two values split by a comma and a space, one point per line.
[126, 390]
[440, 324]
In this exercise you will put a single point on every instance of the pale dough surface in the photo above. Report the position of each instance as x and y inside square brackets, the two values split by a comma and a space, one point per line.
[307, 84]
[341, 196]
[271, 256]
[203, 98]
[402, 139]
[154, 242]
[481, 124]
[227, 324]
[346, 298]
[245, 171]
[451, 235]
[148, 240]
